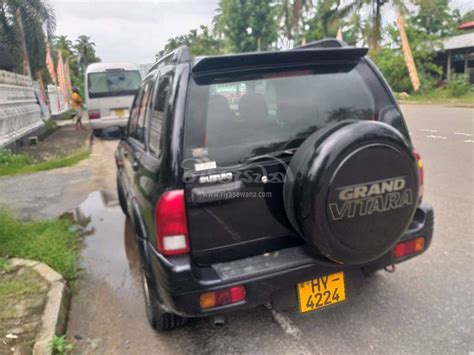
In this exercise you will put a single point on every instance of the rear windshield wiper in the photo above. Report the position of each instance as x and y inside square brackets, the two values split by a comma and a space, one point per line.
[269, 156]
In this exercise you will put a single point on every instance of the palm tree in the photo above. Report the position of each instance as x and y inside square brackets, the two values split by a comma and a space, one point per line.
[290, 16]
[286, 18]
[85, 51]
[329, 16]
[217, 25]
[63, 44]
[373, 28]
[35, 15]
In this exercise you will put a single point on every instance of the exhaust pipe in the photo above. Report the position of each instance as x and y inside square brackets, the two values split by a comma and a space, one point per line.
[390, 268]
[218, 321]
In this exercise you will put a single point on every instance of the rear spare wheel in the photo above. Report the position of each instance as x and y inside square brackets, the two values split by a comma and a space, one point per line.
[352, 190]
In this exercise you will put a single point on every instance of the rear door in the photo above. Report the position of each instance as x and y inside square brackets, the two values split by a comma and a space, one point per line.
[241, 130]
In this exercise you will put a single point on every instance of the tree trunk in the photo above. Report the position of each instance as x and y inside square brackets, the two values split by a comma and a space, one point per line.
[377, 24]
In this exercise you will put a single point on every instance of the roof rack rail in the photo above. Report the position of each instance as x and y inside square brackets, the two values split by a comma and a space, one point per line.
[179, 55]
[324, 43]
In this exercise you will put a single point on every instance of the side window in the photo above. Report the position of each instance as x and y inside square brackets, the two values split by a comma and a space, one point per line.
[133, 120]
[158, 111]
[139, 128]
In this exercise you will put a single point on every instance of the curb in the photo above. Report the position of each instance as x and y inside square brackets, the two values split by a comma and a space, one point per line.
[54, 317]
[435, 103]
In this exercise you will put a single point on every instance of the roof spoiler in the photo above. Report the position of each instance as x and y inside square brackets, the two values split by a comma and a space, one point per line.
[324, 43]
[300, 55]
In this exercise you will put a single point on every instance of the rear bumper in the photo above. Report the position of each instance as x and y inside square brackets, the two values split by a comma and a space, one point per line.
[104, 122]
[267, 278]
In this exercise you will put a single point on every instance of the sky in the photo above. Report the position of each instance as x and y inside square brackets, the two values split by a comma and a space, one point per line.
[130, 31]
[135, 30]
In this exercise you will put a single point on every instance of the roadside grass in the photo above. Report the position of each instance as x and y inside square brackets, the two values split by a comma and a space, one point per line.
[440, 96]
[50, 126]
[60, 345]
[3, 264]
[14, 164]
[51, 241]
[17, 288]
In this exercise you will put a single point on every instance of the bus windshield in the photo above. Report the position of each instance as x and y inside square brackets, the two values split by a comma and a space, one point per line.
[113, 83]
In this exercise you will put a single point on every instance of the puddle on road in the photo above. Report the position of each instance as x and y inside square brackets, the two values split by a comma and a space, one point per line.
[110, 253]
[107, 312]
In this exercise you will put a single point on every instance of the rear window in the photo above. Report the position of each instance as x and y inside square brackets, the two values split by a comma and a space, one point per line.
[232, 118]
[113, 83]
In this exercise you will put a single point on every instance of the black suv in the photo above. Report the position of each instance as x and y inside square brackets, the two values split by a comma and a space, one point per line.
[267, 178]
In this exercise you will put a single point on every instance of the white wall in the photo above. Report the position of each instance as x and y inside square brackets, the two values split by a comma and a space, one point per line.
[20, 113]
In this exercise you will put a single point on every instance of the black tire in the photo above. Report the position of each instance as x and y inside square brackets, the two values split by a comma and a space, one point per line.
[98, 133]
[352, 190]
[158, 319]
[121, 197]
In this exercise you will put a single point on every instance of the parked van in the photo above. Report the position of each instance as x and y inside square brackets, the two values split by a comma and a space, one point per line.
[110, 89]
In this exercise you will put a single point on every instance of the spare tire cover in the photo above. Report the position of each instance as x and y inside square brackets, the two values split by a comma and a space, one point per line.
[351, 190]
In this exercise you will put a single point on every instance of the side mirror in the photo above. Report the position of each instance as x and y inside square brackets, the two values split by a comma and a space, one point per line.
[112, 132]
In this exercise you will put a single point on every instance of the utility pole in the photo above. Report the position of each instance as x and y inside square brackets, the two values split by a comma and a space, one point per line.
[415, 81]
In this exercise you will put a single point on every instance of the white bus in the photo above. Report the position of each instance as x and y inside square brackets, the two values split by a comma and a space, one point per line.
[110, 89]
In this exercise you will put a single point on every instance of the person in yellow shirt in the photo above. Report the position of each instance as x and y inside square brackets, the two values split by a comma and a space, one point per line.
[77, 106]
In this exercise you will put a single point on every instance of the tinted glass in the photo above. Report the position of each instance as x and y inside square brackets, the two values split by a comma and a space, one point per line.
[158, 111]
[134, 113]
[113, 83]
[240, 116]
[141, 113]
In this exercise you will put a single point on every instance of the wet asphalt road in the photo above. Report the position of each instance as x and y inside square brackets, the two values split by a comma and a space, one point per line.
[426, 306]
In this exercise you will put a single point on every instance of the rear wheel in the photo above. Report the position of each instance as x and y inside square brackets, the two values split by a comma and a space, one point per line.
[158, 319]
[97, 133]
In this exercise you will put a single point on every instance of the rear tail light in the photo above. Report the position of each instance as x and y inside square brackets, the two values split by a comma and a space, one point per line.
[410, 247]
[171, 225]
[421, 177]
[220, 298]
[94, 114]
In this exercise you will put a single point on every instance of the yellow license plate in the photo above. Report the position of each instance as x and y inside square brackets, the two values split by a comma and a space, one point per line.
[321, 292]
[119, 113]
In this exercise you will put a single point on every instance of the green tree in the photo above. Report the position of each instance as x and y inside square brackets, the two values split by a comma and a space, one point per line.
[467, 17]
[373, 23]
[63, 44]
[70, 56]
[329, 17]
[85, 50]
[205, 43]
[290, 16]
[248, 25]
[200, 42]
[36, 15]
[436, 18]
[391, 62]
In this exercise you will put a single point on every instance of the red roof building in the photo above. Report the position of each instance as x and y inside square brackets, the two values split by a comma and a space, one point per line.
[466, 25]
